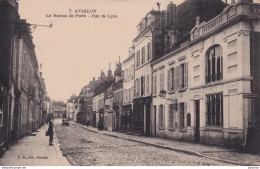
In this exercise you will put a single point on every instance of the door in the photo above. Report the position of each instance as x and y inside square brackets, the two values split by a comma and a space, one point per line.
[154, 120]
[148, 119]
[197, 122]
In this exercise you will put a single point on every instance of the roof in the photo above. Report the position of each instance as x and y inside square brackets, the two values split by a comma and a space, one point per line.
[190, 9]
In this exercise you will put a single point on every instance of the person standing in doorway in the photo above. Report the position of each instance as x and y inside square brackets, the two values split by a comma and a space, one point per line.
[50, 132]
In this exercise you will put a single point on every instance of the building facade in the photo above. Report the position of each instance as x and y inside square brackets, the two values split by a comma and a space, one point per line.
[128, 87]
[22, 88]
[145, 50]
[205, 90]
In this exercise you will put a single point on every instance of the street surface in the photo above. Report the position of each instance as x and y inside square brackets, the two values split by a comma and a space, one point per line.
[86, 148]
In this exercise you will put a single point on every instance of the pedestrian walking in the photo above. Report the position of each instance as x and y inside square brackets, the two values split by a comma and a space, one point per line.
[50, 132]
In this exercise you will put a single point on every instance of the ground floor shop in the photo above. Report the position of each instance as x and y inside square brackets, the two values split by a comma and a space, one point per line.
[127, 118]
[141, 115]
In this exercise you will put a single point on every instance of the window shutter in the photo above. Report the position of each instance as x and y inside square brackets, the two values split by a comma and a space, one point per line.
[160, 116]
[163, 114]
[168, 80]
[177, 75]
[148, 85]
[186, 75]
[144, 54]
[185, 113]
[169, 116]
[174, 118]
[144, 85]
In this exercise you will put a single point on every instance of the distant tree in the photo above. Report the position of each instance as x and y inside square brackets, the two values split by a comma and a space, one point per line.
[59, 103]
[73, 98]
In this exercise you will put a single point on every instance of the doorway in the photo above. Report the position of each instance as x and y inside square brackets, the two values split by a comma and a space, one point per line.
[154, 120]
[197, 122]
[148, 119]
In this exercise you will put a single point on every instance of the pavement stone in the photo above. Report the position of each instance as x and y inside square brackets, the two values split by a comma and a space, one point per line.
[231, 156]
[34, 151]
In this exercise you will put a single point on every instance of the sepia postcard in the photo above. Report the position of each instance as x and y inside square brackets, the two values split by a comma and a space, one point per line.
[129, 83]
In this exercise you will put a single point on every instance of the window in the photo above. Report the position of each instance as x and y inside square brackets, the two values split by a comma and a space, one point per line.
[142, 85]
[171, 117]
[214, 110]
[214, 65]
[183, 109]
[188, 119]
[147, 85]
[183, 81]
[138, 58]
[143, 55]
[137, 87]
[154, 83]
[149, 51]
[161, 79]
[161, 117]
[171, 79]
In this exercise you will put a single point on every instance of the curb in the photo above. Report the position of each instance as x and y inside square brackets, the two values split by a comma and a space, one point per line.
[177, 149]
[63, 159]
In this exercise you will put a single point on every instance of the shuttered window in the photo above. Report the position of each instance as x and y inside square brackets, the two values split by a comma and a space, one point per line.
[161, 117]
[147, 85]
[154, 83]
[171, 79]
[182, 76]
[176, 78]
[149, 51]
[182, 113]
[161, 79]
[138, 58]
[171, 116]
[143, 55]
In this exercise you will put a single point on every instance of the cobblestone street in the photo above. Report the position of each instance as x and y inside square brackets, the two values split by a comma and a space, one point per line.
[83, 147]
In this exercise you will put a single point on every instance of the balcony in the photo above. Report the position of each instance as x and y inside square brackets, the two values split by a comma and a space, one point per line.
[229, 13]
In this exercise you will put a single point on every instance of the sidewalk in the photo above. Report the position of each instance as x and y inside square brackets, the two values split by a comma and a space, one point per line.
[33, 150]
[217, 153]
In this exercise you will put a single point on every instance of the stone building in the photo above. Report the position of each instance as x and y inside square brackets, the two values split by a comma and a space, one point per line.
[22, 88]
[117, 88]
[128, 86]
[205, 90]
[144, 44]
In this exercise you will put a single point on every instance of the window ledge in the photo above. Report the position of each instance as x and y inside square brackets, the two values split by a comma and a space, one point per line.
[182, 129]
[212, 129]
[171, 92]
[161, 128]
[171, 129]
[182, 89]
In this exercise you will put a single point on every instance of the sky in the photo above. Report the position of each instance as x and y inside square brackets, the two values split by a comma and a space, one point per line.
[75, 50]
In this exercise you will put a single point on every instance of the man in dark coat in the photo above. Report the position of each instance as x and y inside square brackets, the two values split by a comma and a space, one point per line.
[50, 132]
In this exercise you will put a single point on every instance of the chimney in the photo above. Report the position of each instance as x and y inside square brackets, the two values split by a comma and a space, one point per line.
[119, 59]
[197, 21]
[41, 70]
[93, 79]
[158, 4]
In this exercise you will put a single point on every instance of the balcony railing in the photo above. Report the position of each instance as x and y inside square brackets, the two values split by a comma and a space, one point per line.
[233, 10]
